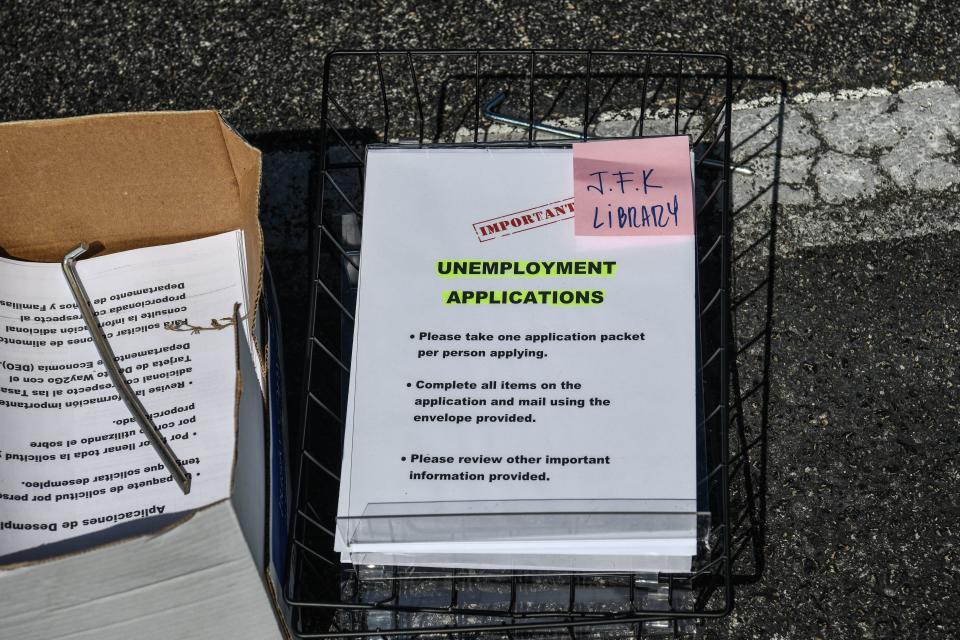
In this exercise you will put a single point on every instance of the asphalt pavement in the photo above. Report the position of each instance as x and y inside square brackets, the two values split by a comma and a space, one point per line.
[863, 474]
[260, 63]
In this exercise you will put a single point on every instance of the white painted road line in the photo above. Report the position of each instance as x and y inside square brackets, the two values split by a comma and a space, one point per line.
[855, 165]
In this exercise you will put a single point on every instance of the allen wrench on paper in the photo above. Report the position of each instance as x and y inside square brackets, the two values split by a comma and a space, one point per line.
[127, 394]
[490, 113]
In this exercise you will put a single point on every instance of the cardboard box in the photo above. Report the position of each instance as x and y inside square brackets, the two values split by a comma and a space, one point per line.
[128, 181]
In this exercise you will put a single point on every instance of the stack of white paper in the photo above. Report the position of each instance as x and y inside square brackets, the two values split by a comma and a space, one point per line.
[520, 397]
[80, 486]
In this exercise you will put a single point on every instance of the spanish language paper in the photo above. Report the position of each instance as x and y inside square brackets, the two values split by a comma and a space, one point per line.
[521, 395]
[72, 459]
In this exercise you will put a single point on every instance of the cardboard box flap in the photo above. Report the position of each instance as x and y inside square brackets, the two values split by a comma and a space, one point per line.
[127, 180]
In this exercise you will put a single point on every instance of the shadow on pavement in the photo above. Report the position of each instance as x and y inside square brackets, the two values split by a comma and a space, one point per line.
[753, 271]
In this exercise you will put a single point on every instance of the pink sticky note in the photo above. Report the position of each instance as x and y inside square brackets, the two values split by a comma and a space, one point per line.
[637, 187]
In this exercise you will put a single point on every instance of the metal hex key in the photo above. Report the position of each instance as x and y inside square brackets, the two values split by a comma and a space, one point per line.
[490, 113]
[127, 394]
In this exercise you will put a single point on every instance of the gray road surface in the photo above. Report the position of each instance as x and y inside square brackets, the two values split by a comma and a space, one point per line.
[864, 476]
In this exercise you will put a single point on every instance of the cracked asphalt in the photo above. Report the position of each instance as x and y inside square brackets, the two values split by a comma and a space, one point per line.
[864, 458]
[863, 474]
[880, 166]
[864, 428]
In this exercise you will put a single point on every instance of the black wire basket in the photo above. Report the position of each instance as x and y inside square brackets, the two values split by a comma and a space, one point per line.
[513, 98]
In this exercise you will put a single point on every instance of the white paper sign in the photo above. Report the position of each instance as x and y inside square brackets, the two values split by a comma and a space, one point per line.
[503, 364]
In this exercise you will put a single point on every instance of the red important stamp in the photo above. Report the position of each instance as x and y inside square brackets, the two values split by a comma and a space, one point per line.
[525, 220]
